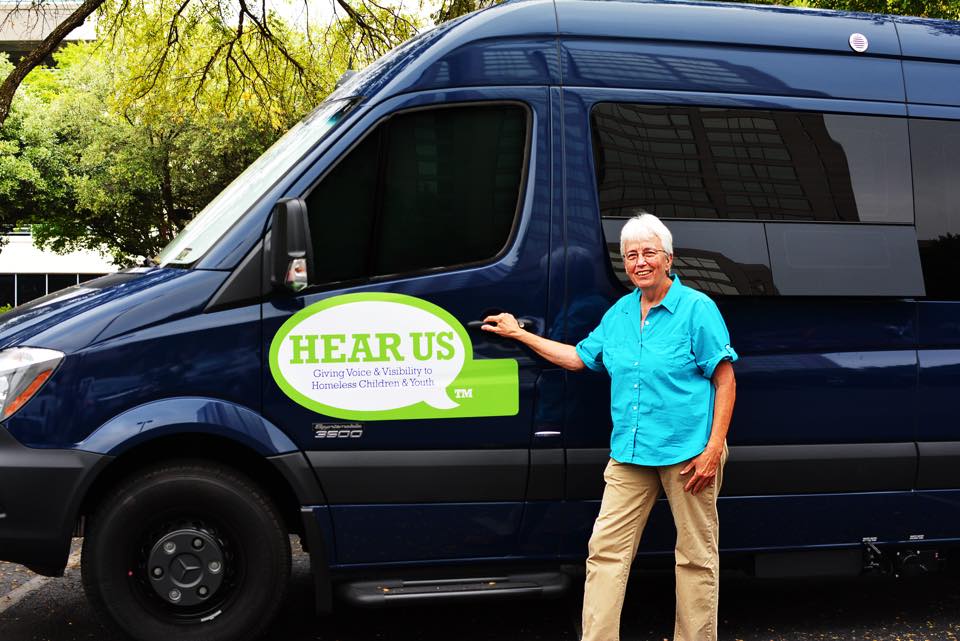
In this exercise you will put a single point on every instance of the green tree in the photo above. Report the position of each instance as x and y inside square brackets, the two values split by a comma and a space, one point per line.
[946, 9]
[89, 175]
[30, 167]
[244, 38]
[116, 149]
[127, 139]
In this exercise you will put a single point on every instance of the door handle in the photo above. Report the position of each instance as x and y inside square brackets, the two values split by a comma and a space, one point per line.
[528, 324]
[547, 434]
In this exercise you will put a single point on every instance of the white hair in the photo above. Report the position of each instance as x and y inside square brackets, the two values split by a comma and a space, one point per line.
[643, 227]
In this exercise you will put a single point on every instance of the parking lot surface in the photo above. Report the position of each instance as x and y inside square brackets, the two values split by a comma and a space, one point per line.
[862, 609]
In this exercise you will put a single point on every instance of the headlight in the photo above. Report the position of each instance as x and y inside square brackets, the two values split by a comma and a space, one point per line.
[23, 371]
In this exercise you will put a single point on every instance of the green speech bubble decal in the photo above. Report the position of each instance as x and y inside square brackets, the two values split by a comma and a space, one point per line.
[382, 356]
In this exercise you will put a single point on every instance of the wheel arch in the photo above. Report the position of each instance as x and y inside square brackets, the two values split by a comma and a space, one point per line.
[189, 414]
[279, 476]
[211, 429]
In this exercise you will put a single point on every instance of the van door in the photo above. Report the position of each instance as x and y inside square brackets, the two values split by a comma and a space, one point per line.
[431, 214]
[799, 223]
[931, 74]
[934, 147]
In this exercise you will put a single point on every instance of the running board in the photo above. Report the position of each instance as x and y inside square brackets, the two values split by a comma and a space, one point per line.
[396, 592]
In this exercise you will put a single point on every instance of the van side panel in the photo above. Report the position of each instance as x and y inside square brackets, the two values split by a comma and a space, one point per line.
[728, 48]
[492, 63]
[825, 415]
[734, 70]
[210, 355]
[719, 24]
[932, 83]
[931, 65]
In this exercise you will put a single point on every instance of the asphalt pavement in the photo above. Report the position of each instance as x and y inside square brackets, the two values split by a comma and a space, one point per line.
[855, 609]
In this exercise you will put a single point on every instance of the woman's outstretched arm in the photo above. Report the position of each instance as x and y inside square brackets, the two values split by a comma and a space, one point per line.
[557, 353]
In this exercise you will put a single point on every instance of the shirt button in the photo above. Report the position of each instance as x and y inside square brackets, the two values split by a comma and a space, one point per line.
[634, 407]
[635, 386]
[636, 362]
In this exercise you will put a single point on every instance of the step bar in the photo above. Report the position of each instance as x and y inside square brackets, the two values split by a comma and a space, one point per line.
[397, 592]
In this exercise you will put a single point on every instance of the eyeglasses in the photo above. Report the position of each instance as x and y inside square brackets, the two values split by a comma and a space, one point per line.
[648, 255]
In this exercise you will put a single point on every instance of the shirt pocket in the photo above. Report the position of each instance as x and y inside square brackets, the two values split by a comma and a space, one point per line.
[615, 360]
[672, 352]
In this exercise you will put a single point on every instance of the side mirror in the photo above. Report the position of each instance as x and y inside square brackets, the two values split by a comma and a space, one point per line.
[291, 249]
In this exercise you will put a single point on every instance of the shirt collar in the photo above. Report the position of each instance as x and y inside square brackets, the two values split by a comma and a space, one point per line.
[673, 295]
[669, 301]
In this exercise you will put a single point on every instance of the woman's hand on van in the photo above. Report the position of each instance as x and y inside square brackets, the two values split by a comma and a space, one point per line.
[504, 324]
[561, 354]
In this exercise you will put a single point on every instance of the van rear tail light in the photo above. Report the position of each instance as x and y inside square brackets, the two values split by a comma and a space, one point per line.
[23, 371]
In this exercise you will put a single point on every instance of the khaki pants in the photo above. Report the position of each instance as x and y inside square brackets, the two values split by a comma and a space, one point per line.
[627, 500]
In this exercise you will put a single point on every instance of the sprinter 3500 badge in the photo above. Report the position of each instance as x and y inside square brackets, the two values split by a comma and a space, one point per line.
[382, 356]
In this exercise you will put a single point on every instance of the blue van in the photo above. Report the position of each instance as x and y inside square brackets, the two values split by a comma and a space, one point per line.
[305, 358]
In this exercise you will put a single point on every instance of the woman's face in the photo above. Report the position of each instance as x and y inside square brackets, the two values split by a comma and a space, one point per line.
[646, 263]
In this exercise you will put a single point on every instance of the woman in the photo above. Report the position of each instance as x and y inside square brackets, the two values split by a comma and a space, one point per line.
[668, 354]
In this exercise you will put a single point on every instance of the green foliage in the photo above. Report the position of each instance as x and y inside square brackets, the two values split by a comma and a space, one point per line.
[450, 9]
[4, 309]
[169, 58]
[946, 9]
[121, 144]
[88, 175]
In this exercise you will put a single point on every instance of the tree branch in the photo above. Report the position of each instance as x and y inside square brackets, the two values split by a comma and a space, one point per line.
[360, 22]
[33, 59]
[268, 36]
[173, 37]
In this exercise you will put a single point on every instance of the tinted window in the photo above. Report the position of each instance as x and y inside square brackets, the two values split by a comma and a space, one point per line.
[426, 189]
[342, 210]
[937, 191]
[56, 282]
[722, 258]
[704, 162]
[6, 290]
[30, 286]
[718, 258]
[844, 260]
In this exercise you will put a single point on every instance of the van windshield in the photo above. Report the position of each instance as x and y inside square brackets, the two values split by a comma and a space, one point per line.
[241, 194]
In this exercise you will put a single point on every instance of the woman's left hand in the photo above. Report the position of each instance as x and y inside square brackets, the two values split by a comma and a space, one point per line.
[704, 468]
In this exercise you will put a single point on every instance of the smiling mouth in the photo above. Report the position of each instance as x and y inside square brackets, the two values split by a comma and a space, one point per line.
[644, 272]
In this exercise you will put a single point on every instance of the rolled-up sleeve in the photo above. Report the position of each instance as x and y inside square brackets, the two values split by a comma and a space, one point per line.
[590, 349]
[711, 340]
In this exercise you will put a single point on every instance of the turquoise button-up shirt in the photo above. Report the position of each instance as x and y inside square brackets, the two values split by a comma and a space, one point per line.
[661, 395]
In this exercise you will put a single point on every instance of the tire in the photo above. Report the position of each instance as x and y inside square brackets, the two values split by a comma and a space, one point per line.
[187, 551]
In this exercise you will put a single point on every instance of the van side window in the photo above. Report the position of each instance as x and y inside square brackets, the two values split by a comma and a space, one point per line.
[934, 145]
[426, 189]
[754, 195]
[751, 164]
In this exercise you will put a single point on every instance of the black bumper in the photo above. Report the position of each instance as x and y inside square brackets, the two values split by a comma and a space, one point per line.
[40, 495]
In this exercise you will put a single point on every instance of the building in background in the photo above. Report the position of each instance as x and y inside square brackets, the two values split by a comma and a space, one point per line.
[23, 26]
[27, 272]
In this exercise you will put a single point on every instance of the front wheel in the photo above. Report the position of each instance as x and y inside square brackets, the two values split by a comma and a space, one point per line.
[187, 551]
